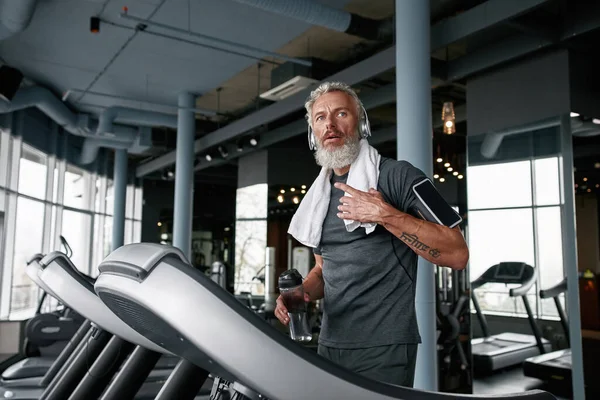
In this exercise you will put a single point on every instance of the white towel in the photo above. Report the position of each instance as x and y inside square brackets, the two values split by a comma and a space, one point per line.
[307, 222]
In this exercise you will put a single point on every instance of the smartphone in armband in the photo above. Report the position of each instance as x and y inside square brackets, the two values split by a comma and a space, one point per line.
[432, 207]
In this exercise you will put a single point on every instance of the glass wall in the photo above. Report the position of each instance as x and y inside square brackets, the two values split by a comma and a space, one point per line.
[250, 238]
[43, 198]
[514, 214]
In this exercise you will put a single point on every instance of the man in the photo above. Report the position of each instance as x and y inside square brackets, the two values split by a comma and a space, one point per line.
[367, 278]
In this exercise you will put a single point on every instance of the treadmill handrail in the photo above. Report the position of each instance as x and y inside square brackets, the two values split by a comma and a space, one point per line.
[555, 290]
[35, 257]
[259, 325]
[524, 288]
[63, 260]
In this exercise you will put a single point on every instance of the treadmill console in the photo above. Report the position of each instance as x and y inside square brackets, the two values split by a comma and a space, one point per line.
[509, 272]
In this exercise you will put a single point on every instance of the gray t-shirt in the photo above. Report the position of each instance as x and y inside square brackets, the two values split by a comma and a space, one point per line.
[370, 280]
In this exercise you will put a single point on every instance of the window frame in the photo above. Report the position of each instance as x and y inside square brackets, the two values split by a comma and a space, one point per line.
[533, 207]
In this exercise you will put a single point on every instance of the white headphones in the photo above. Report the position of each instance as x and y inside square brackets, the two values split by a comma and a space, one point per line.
[364, 128]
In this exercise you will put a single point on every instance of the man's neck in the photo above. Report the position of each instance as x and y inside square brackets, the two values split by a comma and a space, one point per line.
[341, 171]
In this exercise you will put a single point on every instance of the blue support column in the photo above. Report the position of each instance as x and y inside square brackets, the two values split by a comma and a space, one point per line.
[120, 193]
[414, 144]
[184, 175]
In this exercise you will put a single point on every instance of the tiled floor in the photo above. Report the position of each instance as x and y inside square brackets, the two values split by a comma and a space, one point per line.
[508, 381]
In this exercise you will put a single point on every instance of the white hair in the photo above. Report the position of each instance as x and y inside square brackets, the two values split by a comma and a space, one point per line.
[327, 87]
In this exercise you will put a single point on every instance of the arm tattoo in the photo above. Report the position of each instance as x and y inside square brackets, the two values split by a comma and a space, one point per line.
[413, 240]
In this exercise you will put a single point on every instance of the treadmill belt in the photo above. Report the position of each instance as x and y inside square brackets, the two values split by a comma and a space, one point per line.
[488, 347]
[560, 362]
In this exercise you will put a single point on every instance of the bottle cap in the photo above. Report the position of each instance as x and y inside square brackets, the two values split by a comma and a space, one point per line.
[290, 279]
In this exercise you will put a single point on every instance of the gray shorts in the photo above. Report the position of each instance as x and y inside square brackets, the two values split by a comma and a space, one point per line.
[393, 364]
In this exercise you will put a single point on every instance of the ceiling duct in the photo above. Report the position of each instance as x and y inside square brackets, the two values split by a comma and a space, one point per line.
[135, 139]
[314, 13]
[15, 16]
[290, 78]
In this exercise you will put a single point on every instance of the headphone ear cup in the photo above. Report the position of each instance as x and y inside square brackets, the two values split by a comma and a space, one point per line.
[311, 139]
[365, 127]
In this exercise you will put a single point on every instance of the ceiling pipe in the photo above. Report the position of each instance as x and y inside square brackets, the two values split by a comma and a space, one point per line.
[141, 143]
[77, 124]
[15, 16]
[132, 116]
[314, 13]
[90, 148]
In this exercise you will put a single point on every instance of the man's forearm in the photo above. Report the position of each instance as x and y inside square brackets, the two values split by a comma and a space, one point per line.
[313, 284]
[436, 243]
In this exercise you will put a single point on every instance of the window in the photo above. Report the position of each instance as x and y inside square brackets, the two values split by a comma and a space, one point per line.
[75, 188]
[515, 215]
[107, 242]
[500, 235]
[139, 203]
[128, 232]
[76, 228]
[250, 237]
[550, 256]
[32, 173]
[137, 231]
[110, 197]
[499, 185]
[36, 209]
[129, 201]
[98, 193]
[28, 241]
[546, 181]
[250, 244]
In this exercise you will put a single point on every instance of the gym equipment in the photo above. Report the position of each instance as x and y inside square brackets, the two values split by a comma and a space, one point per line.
[554, 366]
[76, 291]
[136, 279]
[453, 327]
[493, 352]
[98, 354]
[45, 329]
[42, 330]
[15, 384]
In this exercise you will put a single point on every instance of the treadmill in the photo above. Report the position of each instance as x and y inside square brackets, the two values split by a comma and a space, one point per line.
[38, 366]
[494, 352]
[97, 353]
[554, 366]
[151, 287]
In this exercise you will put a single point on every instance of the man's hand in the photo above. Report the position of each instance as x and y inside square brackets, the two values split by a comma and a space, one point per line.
[281, 311]
[362, 206]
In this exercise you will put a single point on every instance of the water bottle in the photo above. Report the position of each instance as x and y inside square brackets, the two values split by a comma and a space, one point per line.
[292, 292]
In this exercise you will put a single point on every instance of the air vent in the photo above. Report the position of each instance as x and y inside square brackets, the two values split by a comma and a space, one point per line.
[288, 88]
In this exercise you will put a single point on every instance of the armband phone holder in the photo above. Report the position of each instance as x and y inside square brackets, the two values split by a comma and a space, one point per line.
[432, 207]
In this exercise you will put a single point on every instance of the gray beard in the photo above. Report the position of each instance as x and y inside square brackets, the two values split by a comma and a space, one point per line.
[339, 157]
